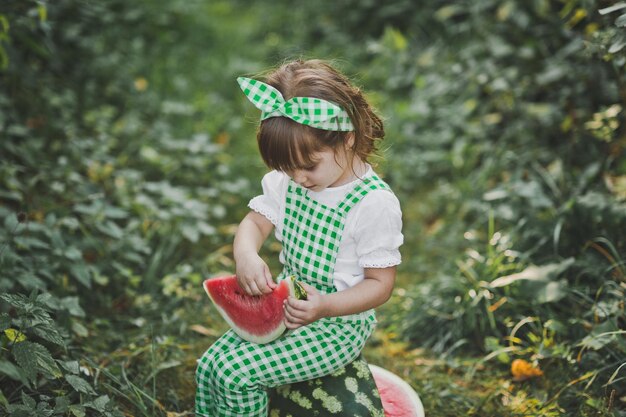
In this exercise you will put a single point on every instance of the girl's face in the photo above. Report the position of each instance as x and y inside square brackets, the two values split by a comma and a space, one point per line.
[330, 169]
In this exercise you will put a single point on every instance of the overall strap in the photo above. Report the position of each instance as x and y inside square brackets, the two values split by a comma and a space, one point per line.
[371, 183]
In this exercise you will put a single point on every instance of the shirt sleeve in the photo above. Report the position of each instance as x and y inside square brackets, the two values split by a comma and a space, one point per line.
[378, 230]
[268, 204]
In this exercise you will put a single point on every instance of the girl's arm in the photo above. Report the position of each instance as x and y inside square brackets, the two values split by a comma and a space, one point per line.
[253, 274]
[372, 292]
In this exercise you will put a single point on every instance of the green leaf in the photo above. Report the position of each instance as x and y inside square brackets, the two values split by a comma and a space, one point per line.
[617, 46]
[21, 411]
[79, 329]
[28, 402]
[533, 273]
[621, 21]
[555, 325]
[546, 292]
[82, 273]
[30, 243]
[10, 222]
[34, 358]
[596, 342]
[613, 8]
[448, 12]
[70, 366]
[9, 369]
[4, 23]
[191, 232]
[206, 229]
[115, 212]
[61, 405]
[30, 281]
[18, 301]
[100, 403]
[110, 229]
[50, 333]
[72, 305]
[167, 365]
[79, 384]
[73, 254]
[43, 12]
[3, 400]
[5, 321]
[77, 410]
[612, 378]
[15, 336]
[90, 210]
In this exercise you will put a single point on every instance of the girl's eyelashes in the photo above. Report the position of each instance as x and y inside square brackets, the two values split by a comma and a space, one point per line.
[308, 167]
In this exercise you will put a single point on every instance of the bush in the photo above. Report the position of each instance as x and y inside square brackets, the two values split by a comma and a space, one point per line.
[100, 200]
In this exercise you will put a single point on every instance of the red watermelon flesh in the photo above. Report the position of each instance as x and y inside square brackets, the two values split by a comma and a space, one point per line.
[398, 398]
[258, 319]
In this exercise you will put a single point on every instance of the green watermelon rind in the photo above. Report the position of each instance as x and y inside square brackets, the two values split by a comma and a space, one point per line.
[254, 338]
[401, 385]
[348, 392]
[300, 292]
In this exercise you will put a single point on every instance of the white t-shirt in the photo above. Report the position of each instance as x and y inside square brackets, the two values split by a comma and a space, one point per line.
[372, 233]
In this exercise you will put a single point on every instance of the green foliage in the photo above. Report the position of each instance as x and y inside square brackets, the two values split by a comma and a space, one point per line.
[30, 365]
[518, 144]
[105, 189]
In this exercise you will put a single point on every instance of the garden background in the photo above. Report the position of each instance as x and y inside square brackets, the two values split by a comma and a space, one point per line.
[128, 154]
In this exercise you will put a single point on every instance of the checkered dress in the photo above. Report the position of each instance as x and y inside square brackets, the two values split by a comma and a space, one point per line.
[233, 374]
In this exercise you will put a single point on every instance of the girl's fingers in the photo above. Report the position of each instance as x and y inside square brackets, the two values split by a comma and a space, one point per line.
[268, 277]
[291, 326]
[258, 286]
[254, 288]
[247, 284]
[263, 283]
[309, 288]
[242, 284]
[296, 304]
[292, 318]
[293, 313]
[261, 288]
[268, 286]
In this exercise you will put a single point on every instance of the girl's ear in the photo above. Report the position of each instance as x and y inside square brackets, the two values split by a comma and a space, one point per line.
[349, 141]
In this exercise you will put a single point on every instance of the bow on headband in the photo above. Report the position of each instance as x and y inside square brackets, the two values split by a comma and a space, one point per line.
[309, 111]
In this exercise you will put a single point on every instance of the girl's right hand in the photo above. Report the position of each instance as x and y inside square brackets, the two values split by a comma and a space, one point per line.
[253, 275]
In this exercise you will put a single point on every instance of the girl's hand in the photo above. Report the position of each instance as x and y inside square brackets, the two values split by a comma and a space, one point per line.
[253, 275]
[302, 312]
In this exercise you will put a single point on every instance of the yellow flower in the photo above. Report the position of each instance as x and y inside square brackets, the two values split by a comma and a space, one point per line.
[523, 370]
[141, 84]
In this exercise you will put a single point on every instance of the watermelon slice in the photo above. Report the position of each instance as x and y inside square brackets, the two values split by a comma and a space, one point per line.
[258, 319]
[398, 398]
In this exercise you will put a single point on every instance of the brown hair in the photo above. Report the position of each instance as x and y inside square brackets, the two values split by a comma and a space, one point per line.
[287, 145]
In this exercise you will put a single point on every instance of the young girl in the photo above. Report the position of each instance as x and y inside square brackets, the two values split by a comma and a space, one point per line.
[340, 229]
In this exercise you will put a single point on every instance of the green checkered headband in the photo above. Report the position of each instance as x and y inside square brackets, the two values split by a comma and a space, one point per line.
[310, 111]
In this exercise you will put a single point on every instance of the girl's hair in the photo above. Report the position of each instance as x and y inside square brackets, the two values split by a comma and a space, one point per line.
[286, 145]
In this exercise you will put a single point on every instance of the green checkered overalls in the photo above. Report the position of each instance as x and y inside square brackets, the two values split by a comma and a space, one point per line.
[233, 374]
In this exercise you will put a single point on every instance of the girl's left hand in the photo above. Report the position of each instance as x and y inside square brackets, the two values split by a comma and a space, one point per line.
[302, 312]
